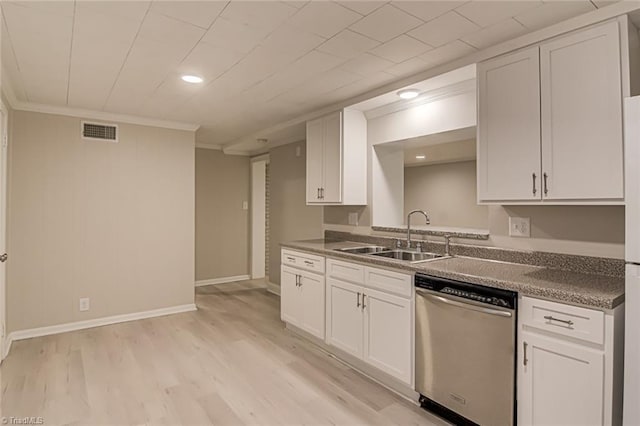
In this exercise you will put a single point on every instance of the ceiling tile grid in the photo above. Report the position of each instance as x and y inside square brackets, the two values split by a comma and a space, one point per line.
[262, 61]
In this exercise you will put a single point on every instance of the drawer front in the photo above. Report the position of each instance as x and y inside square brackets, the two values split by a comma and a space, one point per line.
[389, 281]
[345, 271]
[305, 261]
[573, 321]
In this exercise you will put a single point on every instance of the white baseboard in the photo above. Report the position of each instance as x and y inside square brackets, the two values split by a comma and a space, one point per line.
[273, 288]
[223, 280]
[80, 325]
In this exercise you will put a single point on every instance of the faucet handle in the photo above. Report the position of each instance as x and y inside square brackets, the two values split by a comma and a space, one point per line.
[398, 243]
[419, 246]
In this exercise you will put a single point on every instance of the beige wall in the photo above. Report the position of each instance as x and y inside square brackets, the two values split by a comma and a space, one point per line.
[110, 221]
[222, 226]
[447, 192]
[289, 216]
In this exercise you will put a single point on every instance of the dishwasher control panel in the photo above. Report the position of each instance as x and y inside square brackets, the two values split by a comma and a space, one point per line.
[478, 293]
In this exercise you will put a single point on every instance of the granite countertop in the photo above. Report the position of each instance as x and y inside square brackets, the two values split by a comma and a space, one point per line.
[591, 290]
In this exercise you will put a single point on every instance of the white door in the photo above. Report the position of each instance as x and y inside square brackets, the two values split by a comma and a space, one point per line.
[3, 224]
[332, 159]
[561, 384]
[313, 308]
[315, 141]
[509, 127]
[387, 334]
[581, 102]
[344, 317]
[290, 296]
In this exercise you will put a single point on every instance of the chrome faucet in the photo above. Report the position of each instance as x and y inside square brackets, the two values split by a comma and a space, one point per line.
[447, 244]
[409, 224]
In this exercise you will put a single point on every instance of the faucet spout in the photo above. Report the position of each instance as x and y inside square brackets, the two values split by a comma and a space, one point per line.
[422, 212]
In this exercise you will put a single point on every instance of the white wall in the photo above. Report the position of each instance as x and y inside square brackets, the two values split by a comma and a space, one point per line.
[110, 221]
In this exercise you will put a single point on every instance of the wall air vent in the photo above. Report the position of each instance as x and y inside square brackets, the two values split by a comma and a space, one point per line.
[98, 131]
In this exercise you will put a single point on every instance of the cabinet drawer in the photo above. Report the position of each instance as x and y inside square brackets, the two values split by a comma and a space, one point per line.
[391, 282]
[301, 260]
[573, 321]
[345, 271]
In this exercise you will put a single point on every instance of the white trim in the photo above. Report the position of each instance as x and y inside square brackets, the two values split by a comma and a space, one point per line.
[98, 322]
[236, 152]
[208, 146]
[273, 288]
[102, 115]
[222, 280]
[261, 157]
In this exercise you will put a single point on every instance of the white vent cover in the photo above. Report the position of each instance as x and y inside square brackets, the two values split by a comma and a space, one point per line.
[99, 131]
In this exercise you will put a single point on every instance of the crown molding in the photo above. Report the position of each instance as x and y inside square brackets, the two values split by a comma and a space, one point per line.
[96, 115]
[208, 146]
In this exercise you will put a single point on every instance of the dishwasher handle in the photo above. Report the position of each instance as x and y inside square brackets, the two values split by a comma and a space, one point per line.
[469, 306]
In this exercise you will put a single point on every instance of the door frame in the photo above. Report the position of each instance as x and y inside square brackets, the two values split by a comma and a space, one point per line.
[258, 215]
[4, 144]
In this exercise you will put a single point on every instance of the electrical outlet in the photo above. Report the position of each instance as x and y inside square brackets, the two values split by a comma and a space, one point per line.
[298, 149]
[353, 218]
[84, 304]
[245, 205]
[519, 227]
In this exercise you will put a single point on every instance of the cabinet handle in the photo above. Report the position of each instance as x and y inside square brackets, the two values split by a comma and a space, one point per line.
[534, 183]
[525, 361]
[308, 263]
[292, 259]
[546, 188]
[358, 301]
[363, 305]
[550, 318]
[300, 281]
[318, 193]
[322, 193]
[297, 280]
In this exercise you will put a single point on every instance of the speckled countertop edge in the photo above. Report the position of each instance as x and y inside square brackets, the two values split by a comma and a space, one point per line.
[589, 290]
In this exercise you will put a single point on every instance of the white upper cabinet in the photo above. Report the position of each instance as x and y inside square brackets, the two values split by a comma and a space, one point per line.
[337, 159]
[509, 127]
[550, 121]
[581, 95]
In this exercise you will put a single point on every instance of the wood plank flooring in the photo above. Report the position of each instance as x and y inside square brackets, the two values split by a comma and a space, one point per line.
[230, 363]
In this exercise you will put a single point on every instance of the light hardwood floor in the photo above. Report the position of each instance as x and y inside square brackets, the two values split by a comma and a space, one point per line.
[231, 362]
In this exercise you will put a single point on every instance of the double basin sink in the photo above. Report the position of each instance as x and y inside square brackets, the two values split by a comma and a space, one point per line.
[398, 254]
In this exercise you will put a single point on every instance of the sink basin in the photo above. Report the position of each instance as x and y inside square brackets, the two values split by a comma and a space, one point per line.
[411, 256]
[363, 250]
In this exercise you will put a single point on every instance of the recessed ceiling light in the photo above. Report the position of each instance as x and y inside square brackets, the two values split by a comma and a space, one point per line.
[408, 93]
[192, 79]
[420, 157]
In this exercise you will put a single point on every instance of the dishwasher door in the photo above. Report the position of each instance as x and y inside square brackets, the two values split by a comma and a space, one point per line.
[465, 356]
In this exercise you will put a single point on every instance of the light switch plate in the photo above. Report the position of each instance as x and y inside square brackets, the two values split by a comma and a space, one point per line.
[245, 205]
[353, 219]
[84, 304]
[519, 227]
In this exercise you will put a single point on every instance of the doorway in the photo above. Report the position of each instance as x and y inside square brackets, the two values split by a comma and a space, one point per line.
[4, 124]
[259, 216]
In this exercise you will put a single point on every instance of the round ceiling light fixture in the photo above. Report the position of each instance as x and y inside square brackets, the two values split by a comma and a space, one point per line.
[408, 93]
[194, 79]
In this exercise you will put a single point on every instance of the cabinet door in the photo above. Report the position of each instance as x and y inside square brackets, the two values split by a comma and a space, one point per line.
[509, 127]
[313, 309]
[332, 159]
[344, 317]
[561, 384]
[387, 334]
[315, 140]
[290, 297]
[582, 150]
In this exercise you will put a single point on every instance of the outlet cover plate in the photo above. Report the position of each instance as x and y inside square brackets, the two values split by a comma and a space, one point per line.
[353, 219]
[84, 304]
[519, 227]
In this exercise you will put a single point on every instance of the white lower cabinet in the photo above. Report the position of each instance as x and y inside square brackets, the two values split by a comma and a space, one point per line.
[370, 324]
[564, 378]
[302, 299]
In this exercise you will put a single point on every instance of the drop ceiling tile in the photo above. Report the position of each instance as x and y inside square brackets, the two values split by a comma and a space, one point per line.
[401, 48]
[324, 18]
[291, 40]
[327, 82]
[266, 15]
[10, 73]
[363, 7]
[447, 53]
[348, 44]
[199, 13]
[553, 12]
[603, 3]
[366, 84]
[495, 34]
[386, 23]
[427, 10]
[486, 13]
[168, 30]
[209, 61]
[298, 4]
[366, 64]
[233, 35]
[444, 29]
[408, 67]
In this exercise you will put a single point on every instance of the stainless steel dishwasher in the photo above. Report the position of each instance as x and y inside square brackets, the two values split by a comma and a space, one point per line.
[465, 351]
